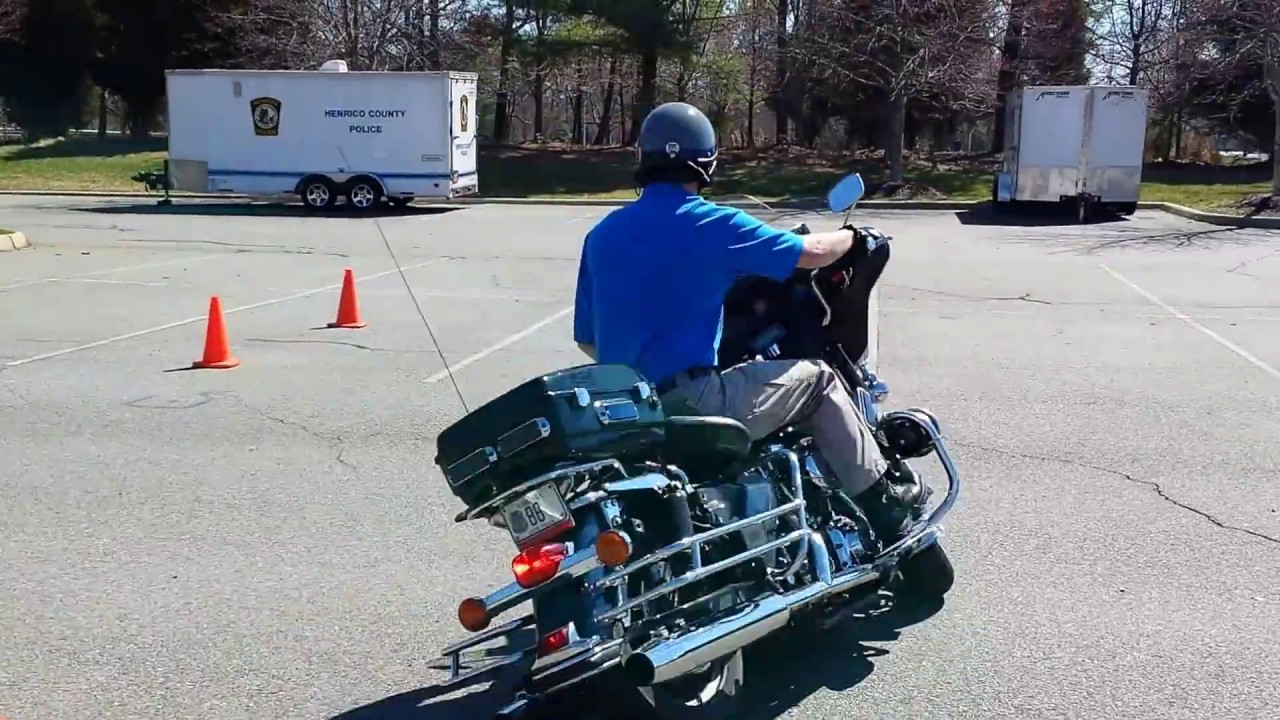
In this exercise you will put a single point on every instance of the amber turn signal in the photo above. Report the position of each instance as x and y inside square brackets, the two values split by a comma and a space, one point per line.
[613, 548]
[473, 614]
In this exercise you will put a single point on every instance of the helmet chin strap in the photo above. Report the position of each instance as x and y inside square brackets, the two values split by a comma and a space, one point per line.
[704, 174]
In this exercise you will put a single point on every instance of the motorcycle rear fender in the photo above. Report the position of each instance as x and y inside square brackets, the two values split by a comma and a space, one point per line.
[568, 603]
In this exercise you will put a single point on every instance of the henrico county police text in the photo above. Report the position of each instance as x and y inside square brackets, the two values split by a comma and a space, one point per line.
[365, 114]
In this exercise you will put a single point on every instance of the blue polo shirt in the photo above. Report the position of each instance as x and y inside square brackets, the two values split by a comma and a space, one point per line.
[654, 274]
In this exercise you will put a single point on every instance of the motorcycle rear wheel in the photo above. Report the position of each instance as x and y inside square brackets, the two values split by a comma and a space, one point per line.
[928, 574]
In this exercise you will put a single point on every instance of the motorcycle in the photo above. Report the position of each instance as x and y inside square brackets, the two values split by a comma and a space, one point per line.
[652, 548]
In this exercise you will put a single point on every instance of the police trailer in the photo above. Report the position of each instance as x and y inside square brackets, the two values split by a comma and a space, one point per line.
[323, 135]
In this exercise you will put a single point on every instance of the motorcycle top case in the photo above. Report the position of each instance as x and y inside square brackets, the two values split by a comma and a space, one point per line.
[580, 414]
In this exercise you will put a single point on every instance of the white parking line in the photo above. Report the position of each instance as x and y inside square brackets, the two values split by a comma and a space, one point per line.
[1260, 364]
[507, 342]
[1143, 316]
[188, 321]
[105, 281]
[109, 271]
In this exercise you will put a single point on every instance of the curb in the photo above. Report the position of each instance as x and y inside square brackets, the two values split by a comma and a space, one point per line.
[794, 204]
[14, 241]
[1238, 221]
[1270, 223]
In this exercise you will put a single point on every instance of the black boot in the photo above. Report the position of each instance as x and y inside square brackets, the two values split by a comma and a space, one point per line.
[893, 503]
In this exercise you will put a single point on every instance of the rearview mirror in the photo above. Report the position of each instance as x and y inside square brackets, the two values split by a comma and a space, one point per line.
[846, 193]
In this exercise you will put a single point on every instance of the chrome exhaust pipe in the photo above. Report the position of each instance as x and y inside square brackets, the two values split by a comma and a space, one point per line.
[668, 659]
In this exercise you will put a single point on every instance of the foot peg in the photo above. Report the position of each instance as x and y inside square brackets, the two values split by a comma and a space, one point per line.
[908, 433]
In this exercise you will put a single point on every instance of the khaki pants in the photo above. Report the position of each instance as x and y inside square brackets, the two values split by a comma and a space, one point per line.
[768, 395]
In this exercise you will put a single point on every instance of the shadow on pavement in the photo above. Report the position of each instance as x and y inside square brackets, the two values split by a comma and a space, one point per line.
[245, 209]
[782, 671]
[1032, 216]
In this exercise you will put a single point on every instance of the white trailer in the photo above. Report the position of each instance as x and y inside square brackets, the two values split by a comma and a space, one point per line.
[1078, 144]
[323, 135]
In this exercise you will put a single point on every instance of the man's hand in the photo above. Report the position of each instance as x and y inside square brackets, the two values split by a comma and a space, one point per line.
[589, 350]
[822, 249]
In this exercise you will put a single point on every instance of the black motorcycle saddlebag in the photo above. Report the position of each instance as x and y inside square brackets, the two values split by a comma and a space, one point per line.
[580, 414]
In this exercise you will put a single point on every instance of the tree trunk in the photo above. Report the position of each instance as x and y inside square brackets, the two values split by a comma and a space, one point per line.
[781, 127]
[1271, 71]
[604, 127]
[1275, 150]
[102, 114]
[647, 95]
[1010, 53]
[433, 35]
[539, 99]
[139, 117]
[501, 106]
[622, 113]
[1135, 70]
[1177, 134]
[895, 129]
[579, 107]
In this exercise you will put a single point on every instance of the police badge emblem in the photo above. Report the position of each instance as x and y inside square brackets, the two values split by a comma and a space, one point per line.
[266, 116]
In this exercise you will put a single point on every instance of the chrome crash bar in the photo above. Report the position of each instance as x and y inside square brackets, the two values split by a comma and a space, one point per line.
[928, 528]
[693, 545]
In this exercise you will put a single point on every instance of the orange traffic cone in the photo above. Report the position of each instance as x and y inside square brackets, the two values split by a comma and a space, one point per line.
[348, 307]
[217, 353]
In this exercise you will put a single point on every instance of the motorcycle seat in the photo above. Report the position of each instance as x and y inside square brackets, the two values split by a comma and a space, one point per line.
[704, 444]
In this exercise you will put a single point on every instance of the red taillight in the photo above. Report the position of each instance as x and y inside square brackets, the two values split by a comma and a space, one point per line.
[553, 642]
[538, 564]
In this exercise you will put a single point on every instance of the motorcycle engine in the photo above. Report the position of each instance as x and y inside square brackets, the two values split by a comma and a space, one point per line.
[750, 493]
[846, 529]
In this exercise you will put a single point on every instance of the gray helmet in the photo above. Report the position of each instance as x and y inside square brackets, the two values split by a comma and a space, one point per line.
[676, 140]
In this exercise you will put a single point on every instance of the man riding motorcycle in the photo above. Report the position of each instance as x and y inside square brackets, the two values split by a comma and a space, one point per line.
[651, 287]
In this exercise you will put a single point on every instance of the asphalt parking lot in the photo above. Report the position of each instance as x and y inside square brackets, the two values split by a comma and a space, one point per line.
[274, 541]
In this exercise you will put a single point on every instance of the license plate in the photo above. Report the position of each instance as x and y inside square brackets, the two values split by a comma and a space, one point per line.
[536, 513]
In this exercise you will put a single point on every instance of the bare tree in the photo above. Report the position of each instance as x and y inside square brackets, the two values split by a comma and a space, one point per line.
[911, 48]
[1131, 38]
[1231, 36]
[10, 15]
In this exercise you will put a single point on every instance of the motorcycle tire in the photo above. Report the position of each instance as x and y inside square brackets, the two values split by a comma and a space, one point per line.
[715, 693]
[928, 574]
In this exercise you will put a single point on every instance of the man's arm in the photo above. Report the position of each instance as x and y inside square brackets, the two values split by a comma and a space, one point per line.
[822, 249]
[756, 248]
[583, 310]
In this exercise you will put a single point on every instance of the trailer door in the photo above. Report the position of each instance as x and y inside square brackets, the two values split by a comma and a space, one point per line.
[462, 130]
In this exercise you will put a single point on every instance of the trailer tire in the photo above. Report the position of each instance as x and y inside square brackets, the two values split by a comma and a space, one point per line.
[318, 193]
[364, 193]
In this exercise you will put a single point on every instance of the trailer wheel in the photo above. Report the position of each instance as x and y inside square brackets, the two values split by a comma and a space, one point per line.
[318, 193]
[364, 193]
